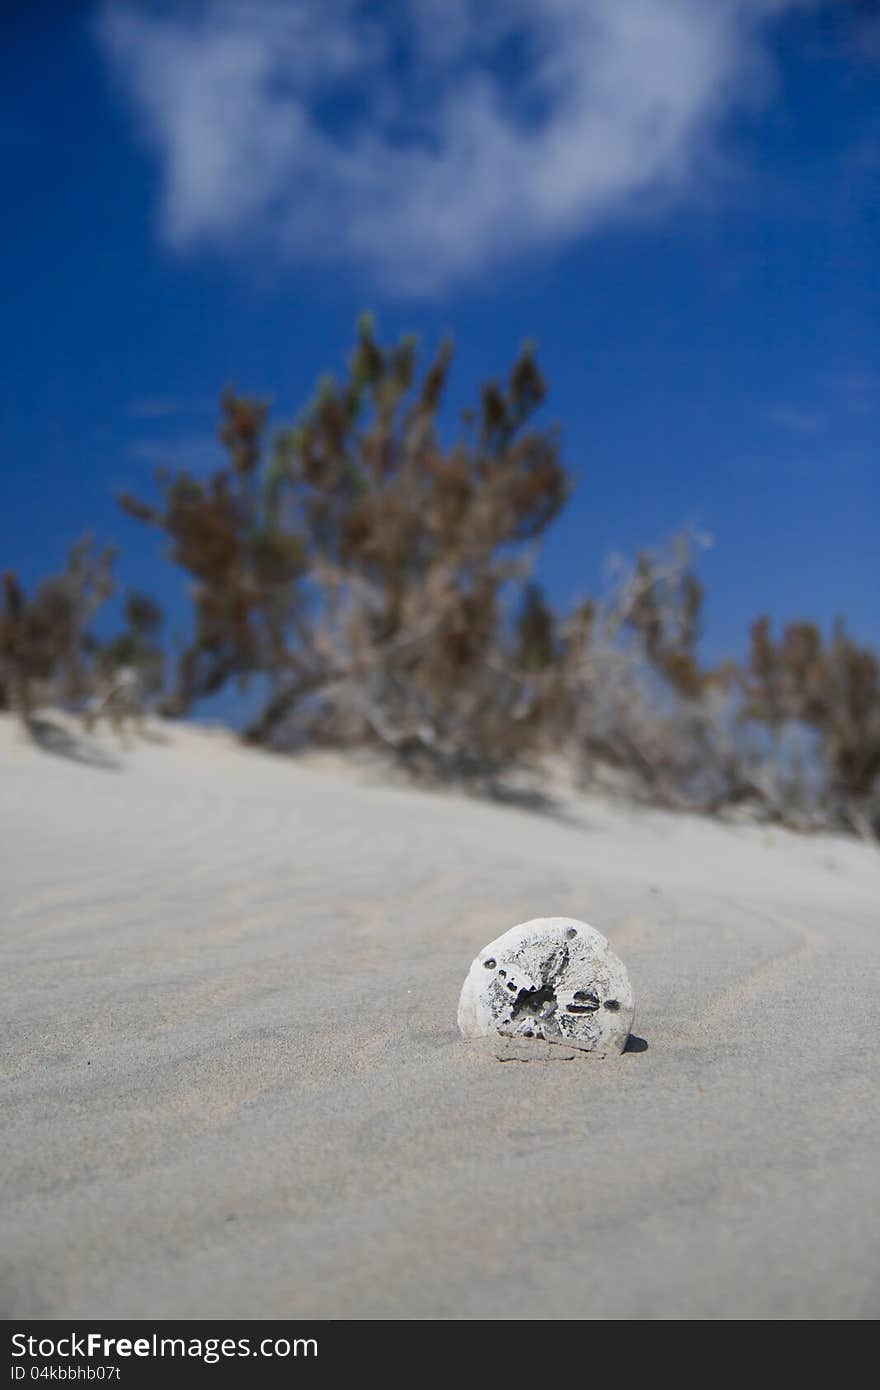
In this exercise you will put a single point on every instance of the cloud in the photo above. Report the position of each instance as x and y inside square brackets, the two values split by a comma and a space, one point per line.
[195, 454]
[797, 420]
[858, 391]
[424, 147]
[841, 401]
[154, 408]
[867, 37]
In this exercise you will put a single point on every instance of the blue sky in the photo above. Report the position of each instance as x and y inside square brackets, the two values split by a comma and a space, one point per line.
[678, 199]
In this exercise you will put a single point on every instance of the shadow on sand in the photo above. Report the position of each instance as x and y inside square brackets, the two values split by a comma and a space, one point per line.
[56, 739]
[525, 799]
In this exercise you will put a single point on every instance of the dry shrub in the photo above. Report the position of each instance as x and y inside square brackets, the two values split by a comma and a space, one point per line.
[363, 568]
[49, 655]
[360, 564]
[370, 565]
[44, 645]
[793, 736]
[800, 683]
[626, 691]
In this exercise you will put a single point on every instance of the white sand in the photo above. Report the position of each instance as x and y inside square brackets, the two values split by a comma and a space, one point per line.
[233, 1086]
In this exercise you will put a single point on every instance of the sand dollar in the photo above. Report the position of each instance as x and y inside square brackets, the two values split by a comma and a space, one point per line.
[553, 978]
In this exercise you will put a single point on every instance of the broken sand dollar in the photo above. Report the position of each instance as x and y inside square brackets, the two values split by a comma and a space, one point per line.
[553, 978]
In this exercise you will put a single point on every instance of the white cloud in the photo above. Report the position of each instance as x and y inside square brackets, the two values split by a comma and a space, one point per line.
[795, 419]
[194, 454]
[153, 408]
[423, 139]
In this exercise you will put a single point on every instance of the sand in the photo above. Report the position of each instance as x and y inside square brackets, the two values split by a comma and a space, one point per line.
[232, 1084]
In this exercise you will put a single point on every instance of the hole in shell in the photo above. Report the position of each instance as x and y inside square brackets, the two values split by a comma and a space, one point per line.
[584, 1003]
[536, 1003]
[489, 964]
[570, 933]
[612, 1004]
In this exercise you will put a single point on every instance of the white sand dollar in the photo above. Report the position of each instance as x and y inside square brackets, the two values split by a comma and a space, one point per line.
[553, 978]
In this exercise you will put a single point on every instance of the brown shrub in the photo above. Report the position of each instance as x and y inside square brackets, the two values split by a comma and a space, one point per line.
[370, 565]
[359, 564]
[44, 640]
[49, 654]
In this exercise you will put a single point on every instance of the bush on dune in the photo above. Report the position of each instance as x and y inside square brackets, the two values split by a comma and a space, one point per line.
[50, 655]
[361, 565]
[372, 566]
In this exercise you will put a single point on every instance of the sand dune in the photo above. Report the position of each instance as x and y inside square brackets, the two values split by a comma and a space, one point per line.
[233, 1086]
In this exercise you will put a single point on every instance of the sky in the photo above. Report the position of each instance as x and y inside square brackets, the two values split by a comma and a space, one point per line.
[676, 199]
